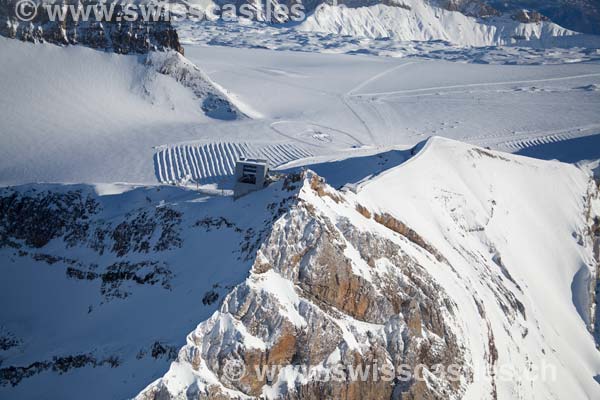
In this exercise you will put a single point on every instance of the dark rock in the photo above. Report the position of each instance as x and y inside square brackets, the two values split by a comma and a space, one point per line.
[115, 34]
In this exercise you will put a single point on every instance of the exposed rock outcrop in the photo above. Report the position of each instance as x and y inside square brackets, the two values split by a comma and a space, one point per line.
[528, 17]
[471, 8]
[325, 293]
[115, 34]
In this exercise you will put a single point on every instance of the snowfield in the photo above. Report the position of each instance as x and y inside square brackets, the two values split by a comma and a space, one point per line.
[67, 105]
[287, 37]
[323, 104]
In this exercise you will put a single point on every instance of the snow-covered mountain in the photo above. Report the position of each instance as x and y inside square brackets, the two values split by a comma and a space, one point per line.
[98, 287]
[370, 247]
[458, 23]
[578, 15]
[459, 256]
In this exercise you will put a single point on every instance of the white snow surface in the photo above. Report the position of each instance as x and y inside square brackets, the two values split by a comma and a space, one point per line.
[420, 21]
[327, 106]
[555, 50]
[73, 115]
[517, 208]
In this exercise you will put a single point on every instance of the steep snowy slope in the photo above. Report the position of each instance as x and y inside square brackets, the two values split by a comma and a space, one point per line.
[460, 256]
[421, 21]
[511, 214]
[98, 291]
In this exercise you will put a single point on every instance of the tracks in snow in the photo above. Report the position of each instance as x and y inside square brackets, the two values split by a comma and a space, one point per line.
[473, 85]
[346, 98]
[516, 145]
[205, 163]
[522, 140]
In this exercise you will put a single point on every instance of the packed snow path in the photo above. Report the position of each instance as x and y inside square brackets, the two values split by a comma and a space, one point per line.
[214, 161]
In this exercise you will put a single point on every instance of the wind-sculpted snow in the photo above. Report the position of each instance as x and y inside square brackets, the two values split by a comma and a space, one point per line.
[458, 22]
[460, 256]
[288, 38]
[213, 100]
[99, 106]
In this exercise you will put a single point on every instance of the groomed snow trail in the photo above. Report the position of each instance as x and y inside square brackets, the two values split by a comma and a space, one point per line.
[202, 163]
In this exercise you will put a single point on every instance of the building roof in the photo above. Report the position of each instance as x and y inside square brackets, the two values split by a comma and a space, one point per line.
[254, 161]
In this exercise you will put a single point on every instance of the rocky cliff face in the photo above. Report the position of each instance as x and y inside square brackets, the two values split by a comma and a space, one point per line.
[117, 279]
[324, 292]
[115, 34]
[345, 281]
[471, 8]
[593, 236]
[577, 15]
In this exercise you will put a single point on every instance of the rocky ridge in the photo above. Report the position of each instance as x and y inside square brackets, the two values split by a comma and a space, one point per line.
[344, 280]
[322, 292]
[116, 34]
[415, 269]
[119, 259]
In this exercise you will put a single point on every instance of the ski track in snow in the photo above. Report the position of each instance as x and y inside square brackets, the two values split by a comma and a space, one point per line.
[522, 140]
[346, 98]
[211, 162]
[375, 77]
[471, 85]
